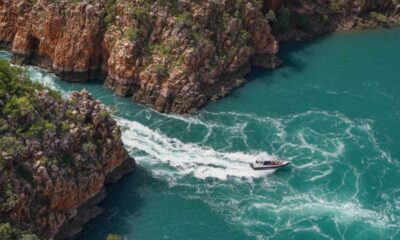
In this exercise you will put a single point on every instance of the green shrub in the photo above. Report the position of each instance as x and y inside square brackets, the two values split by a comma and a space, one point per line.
[8, 232]
[19, 107]
[43, 160]
[13, 82]
[170, 4]
[104, 115]
[64, 127]
[378, 17]
[29, 237]
[133, 34]
[55, 95]
[4, 126]
[184, 19]
[111, 12]
[139, 13]
[164, 48]
[245, 35]
[11, 145]
[40, 127]
[160, 70]
[337, 5]
[68, 114]
[89, 147]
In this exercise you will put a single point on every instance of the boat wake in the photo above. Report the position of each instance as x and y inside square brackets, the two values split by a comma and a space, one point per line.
[186, 159]
[269, 206]
[337, 167]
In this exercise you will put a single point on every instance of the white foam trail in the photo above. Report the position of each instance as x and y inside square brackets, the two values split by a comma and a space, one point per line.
[322, 175]
[311, 205]
[46, 78]
[187, 159]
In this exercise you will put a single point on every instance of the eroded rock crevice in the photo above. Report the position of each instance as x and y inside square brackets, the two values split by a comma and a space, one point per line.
[172, 55]
[168, 55]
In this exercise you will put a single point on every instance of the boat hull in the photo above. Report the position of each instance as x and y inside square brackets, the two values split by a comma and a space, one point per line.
[268, 167]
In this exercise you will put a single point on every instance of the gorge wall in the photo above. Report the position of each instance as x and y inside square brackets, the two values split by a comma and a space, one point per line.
[293, 20]
[55, 157]
[173, 55]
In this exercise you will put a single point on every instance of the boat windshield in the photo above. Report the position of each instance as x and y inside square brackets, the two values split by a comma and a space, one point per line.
[266, 162]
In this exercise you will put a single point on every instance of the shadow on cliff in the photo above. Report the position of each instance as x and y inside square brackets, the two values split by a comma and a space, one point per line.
[124, 201]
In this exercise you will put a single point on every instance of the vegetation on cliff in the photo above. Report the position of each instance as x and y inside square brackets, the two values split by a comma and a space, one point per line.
[8, 232]
[55, 155]
[299, 19]
[174, 55]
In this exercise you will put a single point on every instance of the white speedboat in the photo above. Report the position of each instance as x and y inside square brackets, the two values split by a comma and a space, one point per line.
[268, 164]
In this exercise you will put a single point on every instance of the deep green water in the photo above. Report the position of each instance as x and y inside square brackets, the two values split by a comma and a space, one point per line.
[333, 111]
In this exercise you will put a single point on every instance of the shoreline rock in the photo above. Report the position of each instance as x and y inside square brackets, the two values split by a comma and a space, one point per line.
[90, 209]
[172, 56]
[163, 55]
[56, 155]
[310, 20]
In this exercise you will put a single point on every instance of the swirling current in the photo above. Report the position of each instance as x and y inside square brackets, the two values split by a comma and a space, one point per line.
[333, 111]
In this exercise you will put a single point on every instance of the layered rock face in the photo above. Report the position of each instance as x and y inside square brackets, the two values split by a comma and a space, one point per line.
[178, 55]
[174, 55]
[55, 157]
[58, 35]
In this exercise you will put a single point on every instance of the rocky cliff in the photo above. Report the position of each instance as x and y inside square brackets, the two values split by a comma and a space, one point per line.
[299, 19]
[55, 157]
[175, 55]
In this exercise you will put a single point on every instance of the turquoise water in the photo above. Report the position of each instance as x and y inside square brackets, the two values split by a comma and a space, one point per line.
[333, 111]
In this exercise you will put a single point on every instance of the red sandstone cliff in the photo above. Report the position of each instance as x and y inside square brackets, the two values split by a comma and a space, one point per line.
[173, 55]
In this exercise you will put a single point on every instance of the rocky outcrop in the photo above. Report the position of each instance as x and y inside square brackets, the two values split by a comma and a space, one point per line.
[173, 55]
[293, 20]
[55, 157]
[61, 36]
